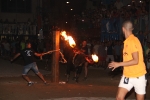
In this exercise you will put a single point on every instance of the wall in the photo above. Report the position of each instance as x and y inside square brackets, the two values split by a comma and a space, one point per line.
[21, 17]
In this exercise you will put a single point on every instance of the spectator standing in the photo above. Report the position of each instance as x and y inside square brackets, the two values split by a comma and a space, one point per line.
[141, 37]
[118, 4]
[6, 48]
[109, 52]
[95, 48]
[40, 46]
[117, 51]
[22, 44]
[117, 54]
[102, 55]
[13, 48]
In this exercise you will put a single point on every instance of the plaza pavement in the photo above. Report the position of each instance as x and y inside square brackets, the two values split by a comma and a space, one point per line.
[8, 69]
[85, 98]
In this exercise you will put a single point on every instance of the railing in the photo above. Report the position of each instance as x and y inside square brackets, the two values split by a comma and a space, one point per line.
[11, 30]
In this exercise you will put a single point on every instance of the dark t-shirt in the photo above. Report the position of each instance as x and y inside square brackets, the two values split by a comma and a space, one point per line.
[110, 50]
[28, 55]
[86, 50]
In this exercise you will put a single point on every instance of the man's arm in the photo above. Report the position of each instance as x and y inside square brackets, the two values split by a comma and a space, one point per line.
[17, 55]
[38, 54]
[134, 61]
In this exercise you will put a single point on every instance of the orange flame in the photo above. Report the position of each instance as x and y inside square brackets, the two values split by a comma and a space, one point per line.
[63, 33]
[69, 39]
[71, 42]
[95, 58]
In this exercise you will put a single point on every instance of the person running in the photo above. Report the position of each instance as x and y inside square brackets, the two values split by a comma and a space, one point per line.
[134, 71]
[30, 64]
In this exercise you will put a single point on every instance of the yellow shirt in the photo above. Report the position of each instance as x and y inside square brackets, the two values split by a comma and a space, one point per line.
[131, 45]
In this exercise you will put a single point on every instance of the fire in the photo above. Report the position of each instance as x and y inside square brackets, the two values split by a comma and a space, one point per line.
[71, 42]
[69, 39]
[63, 33]
[95, 58]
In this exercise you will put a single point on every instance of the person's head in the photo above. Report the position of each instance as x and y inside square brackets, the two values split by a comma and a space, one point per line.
[28, 44]
[127, 28]
[84, 43]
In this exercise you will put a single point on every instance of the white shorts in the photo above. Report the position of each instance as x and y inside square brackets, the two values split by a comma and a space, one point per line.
[138, 83]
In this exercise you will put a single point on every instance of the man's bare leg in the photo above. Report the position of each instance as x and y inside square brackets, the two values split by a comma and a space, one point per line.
[26, 78]
[140, 96]
[121, 93]
[41, 77]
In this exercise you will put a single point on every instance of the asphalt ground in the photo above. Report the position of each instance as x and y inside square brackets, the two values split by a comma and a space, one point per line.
[99, 85]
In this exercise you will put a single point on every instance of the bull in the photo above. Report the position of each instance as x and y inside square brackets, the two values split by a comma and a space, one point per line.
[75, 60]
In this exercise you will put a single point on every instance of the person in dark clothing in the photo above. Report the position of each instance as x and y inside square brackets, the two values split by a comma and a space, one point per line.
[68, 55]
[75, 61]
[30, 64]
[110, 52]
[84, 49]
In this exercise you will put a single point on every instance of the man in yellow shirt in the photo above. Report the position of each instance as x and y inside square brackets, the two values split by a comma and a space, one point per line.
[134, 69]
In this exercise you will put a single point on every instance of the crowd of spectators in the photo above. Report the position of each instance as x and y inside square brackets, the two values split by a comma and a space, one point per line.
[91, 18]
[9, 48]
[137, 11]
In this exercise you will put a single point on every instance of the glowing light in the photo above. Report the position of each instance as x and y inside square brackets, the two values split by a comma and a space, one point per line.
[63, 33]
[69, 39]
[71, 9]
[67, 2]
[95, 58]
[71, 42]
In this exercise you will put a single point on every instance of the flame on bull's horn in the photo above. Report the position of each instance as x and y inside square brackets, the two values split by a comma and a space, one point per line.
[63, 33]
[71, 42]
[69, 39]
[95, 58]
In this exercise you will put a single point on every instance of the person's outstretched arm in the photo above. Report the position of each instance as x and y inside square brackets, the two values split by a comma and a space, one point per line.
[17, 55]
[38, 54]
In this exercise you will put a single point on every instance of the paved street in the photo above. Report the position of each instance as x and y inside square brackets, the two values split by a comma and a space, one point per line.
[85, 98]
[99, 86]
[8, 69]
